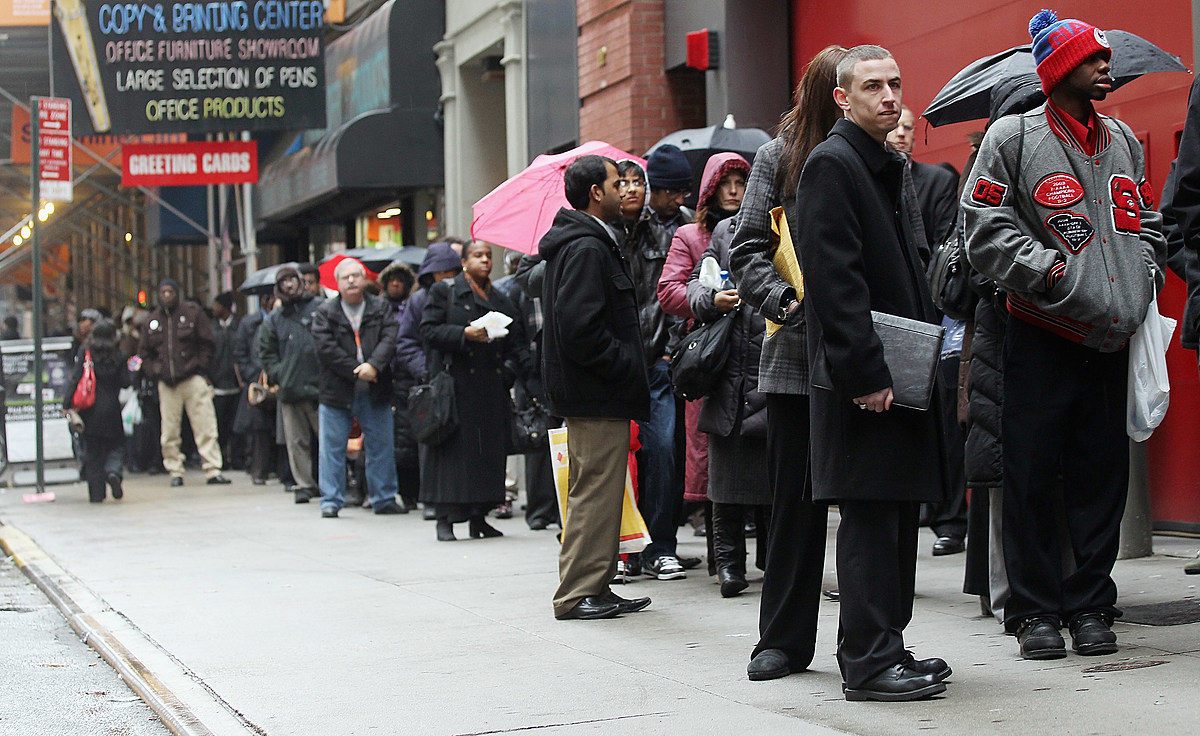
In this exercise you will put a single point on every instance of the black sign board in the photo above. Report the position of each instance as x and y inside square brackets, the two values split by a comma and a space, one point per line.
[190, 67]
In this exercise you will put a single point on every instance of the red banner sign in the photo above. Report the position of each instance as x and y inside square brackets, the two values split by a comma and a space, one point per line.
[54, 148]
[185, 164]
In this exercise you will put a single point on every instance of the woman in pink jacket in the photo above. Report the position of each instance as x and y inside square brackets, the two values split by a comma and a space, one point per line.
[721, 190]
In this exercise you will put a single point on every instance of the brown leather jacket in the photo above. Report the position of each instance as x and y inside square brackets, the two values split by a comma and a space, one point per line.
[176, 344]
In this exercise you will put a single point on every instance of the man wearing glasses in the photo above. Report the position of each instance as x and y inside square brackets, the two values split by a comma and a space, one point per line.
[647, 241]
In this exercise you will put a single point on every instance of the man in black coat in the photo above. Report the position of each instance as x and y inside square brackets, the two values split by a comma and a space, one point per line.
[858, 237]
[594, 371]
[355, 334]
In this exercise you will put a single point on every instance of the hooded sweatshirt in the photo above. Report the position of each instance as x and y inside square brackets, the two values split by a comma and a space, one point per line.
[410, 352]
[691, 241]
[592, 359]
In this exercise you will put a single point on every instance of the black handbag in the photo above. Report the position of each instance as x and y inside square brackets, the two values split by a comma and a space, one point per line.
[432, 409]
[699, 358]
[949, 275]
[529, 429]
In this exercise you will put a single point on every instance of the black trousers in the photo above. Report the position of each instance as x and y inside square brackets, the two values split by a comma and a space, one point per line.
[877, 571]
[541, 502]
[1063, 414]
[949, 518]
[791, 588]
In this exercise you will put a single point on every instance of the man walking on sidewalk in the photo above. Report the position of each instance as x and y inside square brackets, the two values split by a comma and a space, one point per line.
[595, 376]
[355, 335]
[1058, 214]
[858, 241]
[176, 351]
[289, 356]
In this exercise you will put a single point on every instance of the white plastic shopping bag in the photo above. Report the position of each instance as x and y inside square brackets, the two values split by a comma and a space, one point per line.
[1149, 387]
[131, 415]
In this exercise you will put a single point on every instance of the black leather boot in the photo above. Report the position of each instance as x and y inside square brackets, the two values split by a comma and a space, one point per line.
[479, 528]
[729, 547]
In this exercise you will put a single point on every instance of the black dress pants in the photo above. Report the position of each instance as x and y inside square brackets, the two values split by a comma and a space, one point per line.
[877, 571]
[1063, 414]
[791, 588]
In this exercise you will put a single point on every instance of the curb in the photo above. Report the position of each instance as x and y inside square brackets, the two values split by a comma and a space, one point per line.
[80, 608]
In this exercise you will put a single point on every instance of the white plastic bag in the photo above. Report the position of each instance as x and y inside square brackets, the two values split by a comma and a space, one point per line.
[131, 415]
[710, 274]
[1149, 387]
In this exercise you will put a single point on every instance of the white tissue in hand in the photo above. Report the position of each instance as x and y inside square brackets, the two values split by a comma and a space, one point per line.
[496, 324]
[710, 274]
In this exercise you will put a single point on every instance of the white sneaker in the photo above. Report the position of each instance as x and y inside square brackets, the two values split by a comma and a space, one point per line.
[666, 567]
[621, 577]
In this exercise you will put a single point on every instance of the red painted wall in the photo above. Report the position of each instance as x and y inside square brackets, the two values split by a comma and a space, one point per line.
[934, 39]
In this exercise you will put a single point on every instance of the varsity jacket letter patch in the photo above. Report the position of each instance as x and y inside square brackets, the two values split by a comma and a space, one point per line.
[987, 192]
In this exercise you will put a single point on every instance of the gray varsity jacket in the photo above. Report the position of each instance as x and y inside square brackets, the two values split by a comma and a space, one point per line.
[1074, 239]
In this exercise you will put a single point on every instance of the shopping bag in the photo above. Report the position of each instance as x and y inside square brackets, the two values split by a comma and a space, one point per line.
[634, 534]
[1149, 388]
[131, 414]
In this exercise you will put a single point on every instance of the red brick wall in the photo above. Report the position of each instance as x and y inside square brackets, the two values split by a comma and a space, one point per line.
[631, 101]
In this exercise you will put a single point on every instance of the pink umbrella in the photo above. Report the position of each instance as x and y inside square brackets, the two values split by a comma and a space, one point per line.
[518, 213]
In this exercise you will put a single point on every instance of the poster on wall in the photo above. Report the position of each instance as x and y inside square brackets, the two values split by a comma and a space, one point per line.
[19, 410]
[190, 67]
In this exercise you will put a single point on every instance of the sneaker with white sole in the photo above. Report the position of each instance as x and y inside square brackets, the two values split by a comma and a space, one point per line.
[622, 576]
[666, 567]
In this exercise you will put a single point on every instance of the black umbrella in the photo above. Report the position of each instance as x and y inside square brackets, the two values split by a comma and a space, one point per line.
[698, 144]
[377, 259]
[967, 96]
[262, 281]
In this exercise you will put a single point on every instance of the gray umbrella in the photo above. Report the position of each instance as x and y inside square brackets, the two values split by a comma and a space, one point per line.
[377, 259]
[967, 96]
[262, 281]
[698, 144]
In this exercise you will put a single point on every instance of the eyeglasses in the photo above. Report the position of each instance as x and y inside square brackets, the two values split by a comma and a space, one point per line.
[627, 184]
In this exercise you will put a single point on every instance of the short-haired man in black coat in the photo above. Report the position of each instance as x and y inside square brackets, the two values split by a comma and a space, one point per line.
[858, 241]
[594, 371]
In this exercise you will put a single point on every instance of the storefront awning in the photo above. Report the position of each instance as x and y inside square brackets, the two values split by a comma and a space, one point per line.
[382, 90]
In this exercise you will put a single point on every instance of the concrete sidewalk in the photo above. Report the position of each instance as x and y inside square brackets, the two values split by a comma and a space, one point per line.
[247, 613]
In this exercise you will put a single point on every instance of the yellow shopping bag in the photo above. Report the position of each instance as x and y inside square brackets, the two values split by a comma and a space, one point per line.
[634, 534]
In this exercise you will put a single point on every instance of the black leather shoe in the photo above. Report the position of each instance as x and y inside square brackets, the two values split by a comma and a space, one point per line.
[176, 481]
[592, 607]
[429, 513]
[218, 480]
[480, 529]
[732, 582]
[770, 664]
[625, 604]
[1090, 635]
[897, 683]
[1039, 639]
[303, 495]
[445, 531]
[687, 563]
[948, 546]
[391, 507]
[935, 666]
[329, 512]
[114, 482]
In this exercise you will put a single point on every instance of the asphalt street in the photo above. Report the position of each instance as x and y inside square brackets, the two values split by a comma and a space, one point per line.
[245, 613]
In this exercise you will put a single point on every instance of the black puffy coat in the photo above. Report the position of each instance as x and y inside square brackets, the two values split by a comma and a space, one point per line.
[735, 403]
[985, 389]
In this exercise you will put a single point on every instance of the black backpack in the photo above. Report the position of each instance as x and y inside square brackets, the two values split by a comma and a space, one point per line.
[949, 275]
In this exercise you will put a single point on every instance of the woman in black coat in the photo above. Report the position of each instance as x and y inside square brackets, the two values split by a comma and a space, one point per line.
[103, 434]
[734, 416]
[464, 475]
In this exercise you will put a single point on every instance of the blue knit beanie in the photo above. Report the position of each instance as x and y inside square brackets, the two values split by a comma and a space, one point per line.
[668, 168]
[1061, 45]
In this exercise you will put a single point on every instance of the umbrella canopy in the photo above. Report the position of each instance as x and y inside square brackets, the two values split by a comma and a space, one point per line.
[262, 281]
[698, 144]
[329, 265]
[967, 96]
[377, 259]
[516, 214]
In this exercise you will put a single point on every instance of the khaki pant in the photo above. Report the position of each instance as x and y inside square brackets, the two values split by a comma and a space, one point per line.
[194, 395]
[598, 450]
[300, 426]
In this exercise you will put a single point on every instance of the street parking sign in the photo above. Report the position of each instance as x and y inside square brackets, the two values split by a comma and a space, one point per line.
[54, 148]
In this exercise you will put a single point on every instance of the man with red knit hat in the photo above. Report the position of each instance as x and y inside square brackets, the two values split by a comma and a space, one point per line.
[1059, 214]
